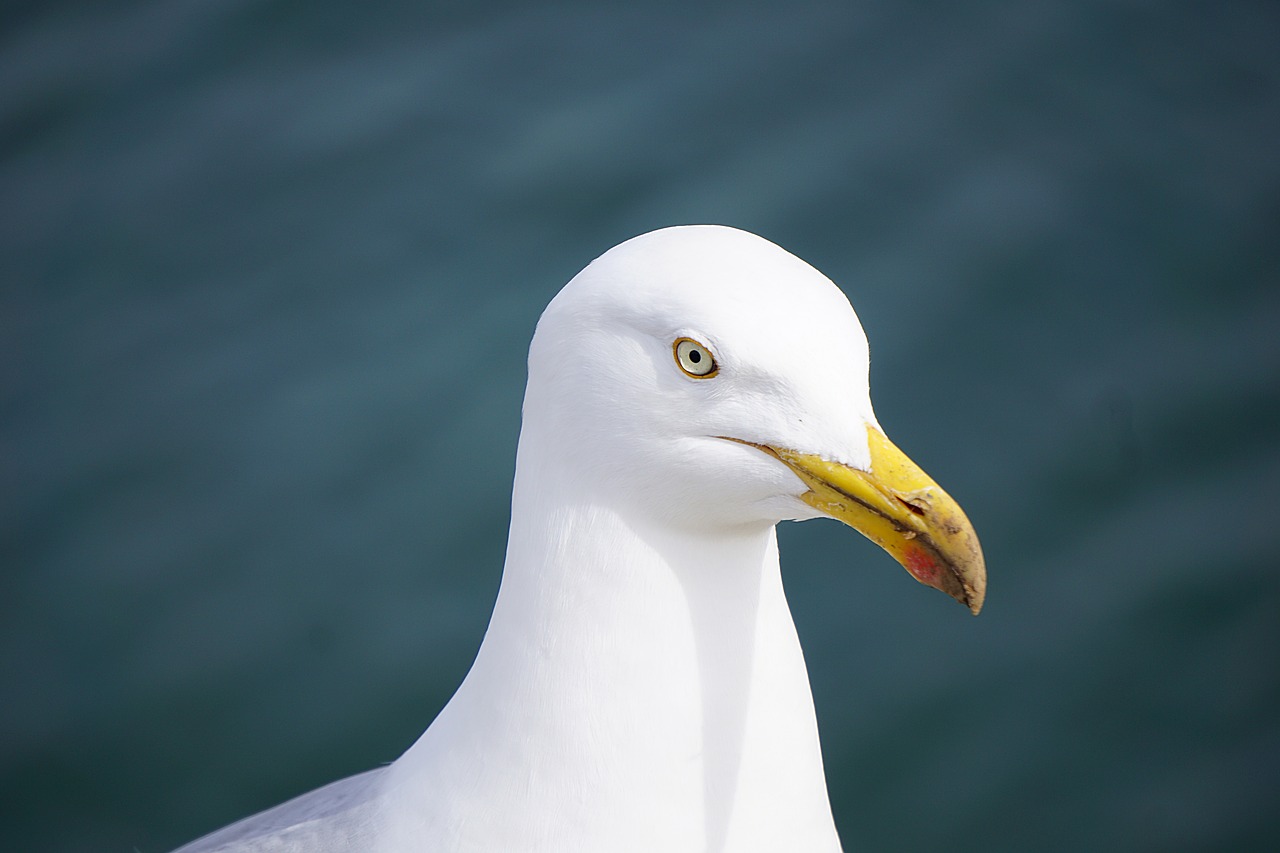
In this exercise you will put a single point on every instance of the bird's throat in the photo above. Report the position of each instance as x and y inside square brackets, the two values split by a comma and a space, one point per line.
[639, 682]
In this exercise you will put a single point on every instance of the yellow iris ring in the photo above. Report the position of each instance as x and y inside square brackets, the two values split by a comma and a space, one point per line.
[682, 348]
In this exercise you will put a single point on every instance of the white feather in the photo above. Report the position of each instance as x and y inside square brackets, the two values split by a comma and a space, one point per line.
[640, 686]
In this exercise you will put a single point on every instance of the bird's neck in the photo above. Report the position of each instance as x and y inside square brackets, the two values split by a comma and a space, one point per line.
[636, 681]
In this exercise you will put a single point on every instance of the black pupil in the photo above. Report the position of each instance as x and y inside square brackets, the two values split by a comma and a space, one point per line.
[695, 356]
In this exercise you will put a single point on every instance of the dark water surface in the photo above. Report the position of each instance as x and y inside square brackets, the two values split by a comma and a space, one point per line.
[268, 275]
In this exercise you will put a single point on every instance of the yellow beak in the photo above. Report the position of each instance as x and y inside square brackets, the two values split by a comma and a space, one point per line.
[898, 506]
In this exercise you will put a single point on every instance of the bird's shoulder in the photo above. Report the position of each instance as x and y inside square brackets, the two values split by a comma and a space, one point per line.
[338, 818]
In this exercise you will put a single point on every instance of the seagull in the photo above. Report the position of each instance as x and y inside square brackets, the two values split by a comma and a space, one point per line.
[641, 686]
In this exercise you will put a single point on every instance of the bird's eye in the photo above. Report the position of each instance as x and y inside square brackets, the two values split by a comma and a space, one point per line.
[695, 359]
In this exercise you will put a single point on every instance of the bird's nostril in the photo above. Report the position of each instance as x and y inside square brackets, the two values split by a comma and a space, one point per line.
[910, 505]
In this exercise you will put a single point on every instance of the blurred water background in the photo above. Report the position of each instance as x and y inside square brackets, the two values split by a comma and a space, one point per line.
[269, 271]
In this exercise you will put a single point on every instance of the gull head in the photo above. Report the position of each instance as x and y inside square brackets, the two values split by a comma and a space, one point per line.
[703, 377]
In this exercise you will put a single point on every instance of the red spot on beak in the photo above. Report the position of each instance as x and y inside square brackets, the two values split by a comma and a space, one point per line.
[923, 566]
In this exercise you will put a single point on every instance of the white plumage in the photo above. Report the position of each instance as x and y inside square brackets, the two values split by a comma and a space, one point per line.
[640, 686]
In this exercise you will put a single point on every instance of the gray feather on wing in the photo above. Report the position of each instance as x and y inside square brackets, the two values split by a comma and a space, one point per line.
[338, 818]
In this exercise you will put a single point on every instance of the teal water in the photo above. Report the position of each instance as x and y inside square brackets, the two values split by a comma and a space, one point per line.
[270, 270]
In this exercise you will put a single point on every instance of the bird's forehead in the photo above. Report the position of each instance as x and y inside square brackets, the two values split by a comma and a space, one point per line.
[734, 287]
